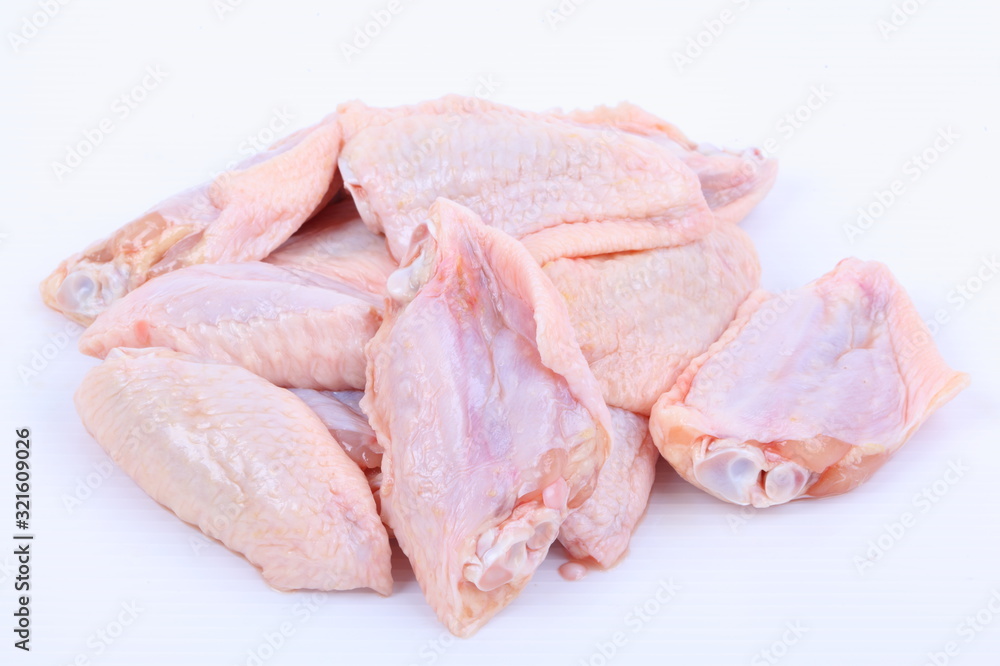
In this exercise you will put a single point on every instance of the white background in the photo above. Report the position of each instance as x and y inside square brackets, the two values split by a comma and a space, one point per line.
[743, 577]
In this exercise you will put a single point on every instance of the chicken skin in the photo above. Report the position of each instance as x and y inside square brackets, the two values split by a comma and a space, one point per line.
[807, 393]
[492, 425]
[246, 462]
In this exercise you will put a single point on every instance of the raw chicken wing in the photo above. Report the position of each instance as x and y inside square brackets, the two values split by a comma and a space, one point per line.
[241, 215]
[806, 394]
[492, 424]
[341, 414]
[601, 528]
[245, 461]
[291, 327]
[732, 182]
[640, 317]
[519, 171]
[337, 244]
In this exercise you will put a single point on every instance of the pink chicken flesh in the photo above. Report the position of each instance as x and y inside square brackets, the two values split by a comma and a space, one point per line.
[537, 305]
[291, 327]
[732, 182]
[807, 393]
[641, 317]
[492, 425]
[336, 243]
[607, 170]
[521, 172]
[600, 529]
[245, 461]
[341, 414]
[241, 215]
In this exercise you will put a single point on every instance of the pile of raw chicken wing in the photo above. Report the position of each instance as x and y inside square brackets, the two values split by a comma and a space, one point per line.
[475, 330]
